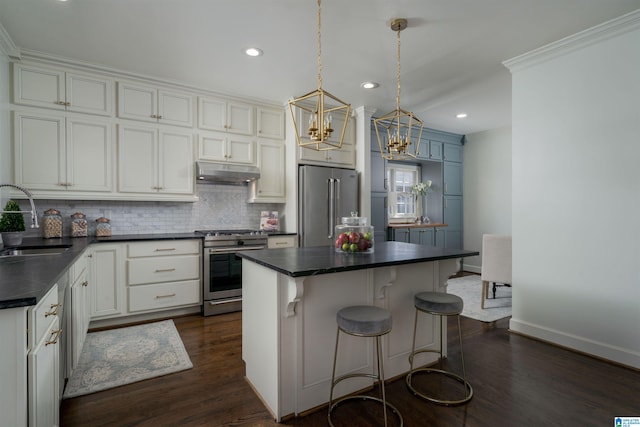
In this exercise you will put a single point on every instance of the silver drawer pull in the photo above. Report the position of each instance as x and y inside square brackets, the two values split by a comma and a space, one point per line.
[55, 335]
[165, 270]
[54, 310]
[165, 296]
[164, 249]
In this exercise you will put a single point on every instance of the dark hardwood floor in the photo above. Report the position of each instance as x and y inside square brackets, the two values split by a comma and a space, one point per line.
[517, 381]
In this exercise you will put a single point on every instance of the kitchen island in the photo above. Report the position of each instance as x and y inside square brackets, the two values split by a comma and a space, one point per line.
[290, 300]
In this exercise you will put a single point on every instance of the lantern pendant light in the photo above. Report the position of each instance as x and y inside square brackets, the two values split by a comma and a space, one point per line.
[398, 131]
[317, 110]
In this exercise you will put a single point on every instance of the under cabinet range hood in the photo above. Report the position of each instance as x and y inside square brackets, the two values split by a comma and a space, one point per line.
[220, 173]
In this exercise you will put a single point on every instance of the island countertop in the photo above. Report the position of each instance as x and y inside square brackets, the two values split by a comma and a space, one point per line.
[297, 262]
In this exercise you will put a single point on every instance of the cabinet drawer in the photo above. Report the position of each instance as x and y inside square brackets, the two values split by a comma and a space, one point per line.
[281, 242]
[164, 295]
[163, 247]
[43, 315]
[163, 269]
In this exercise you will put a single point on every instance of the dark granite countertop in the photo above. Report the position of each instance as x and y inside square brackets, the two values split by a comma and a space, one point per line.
[296, 262]
[24, 280]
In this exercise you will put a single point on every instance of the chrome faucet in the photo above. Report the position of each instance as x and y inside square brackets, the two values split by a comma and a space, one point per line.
[34, 214]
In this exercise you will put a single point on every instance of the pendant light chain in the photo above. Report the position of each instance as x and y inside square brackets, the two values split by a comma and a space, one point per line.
[319, 50]
[398, 98]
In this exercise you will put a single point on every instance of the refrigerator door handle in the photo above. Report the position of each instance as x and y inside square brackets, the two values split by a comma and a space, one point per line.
[332, 207]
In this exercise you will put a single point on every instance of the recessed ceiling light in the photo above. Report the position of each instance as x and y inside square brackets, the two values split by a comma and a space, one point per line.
[253, 51]
[461, 115]
[370, 85]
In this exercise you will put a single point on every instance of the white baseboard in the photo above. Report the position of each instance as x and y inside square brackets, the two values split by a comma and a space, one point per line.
[471, 268]
[623, 356]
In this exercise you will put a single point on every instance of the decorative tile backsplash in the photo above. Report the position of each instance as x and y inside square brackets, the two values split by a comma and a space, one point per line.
[219, 207]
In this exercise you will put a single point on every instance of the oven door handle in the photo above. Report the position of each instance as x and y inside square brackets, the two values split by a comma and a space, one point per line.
[234, 250]
[224, 301]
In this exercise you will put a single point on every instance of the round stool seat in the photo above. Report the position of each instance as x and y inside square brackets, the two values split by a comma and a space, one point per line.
[438, 303]
[365, 320]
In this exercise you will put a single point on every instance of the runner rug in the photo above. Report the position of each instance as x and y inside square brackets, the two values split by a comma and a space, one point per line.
[121, 356]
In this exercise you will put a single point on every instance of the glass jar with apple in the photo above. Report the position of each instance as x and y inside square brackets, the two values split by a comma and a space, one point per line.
[354, 235]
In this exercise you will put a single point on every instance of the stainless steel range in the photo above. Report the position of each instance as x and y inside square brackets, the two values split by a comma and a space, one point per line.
[222, 291]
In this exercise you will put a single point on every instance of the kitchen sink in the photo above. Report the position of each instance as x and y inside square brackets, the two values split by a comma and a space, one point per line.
[48, 250]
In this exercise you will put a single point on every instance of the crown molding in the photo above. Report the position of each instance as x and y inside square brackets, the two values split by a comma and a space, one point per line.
[48, 59]
[606, 30]
[7, 45]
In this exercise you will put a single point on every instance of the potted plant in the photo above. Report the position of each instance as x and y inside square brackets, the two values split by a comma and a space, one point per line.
[12, 224]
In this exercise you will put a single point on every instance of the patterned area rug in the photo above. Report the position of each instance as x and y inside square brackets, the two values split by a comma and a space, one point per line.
[126, 355]
[469, 288]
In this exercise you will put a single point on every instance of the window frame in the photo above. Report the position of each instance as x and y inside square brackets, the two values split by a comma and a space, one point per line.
[402, 204]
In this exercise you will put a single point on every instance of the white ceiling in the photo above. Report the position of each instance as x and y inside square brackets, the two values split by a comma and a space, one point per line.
[451, 59]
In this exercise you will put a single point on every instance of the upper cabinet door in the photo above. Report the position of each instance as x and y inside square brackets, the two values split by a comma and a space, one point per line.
[55, 89]
[225, 116]
[146, 103]
[40, 151]
[89, 94]
[138, 159]
[270, 123]
[175, 172]
[39, 87]
[212, 114]
[137, 102]
[452, 153]
[175, 108]
[240, 118]
[89, 155]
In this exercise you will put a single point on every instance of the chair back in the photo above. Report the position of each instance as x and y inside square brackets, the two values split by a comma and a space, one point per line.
[496, 258]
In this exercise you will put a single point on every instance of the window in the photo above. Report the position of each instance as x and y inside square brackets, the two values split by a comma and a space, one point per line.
[402, 202]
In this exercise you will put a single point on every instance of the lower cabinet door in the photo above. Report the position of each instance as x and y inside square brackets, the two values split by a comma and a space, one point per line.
[43, 371]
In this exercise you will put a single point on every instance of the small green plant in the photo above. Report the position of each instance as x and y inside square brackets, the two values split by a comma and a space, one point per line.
[11, 221]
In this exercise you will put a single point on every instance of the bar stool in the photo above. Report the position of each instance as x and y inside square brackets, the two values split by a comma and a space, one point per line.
[363, 321]
[443, 305]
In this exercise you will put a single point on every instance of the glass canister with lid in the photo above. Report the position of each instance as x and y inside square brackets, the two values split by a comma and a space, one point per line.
[354, 235]
[52, 224]
[79, 225]
[103, 227]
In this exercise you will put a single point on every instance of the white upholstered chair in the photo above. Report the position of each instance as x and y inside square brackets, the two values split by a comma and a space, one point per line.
[496, 262]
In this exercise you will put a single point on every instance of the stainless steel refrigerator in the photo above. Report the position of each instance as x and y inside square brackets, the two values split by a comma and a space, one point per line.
[325, 195]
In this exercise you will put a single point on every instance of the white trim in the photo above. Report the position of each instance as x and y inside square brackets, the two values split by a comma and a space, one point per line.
[608, 29]
[625, 356]
[7, 45]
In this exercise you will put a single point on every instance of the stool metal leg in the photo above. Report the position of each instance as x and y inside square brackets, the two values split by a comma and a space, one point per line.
[379, 377]
[468, 390]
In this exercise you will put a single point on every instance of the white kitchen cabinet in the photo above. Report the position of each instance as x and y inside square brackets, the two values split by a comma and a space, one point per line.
[270, 188]
[219, 147]
[62, 90]
[163, 274]
[43, 361]
[155, 161]
[80, 310]
[270, 122]
[225, 115]
[63, 154]
[30, 366]
[106, 269]
[150, 104]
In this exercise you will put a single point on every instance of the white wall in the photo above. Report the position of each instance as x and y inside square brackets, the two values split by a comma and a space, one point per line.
[486, 188]
[5, 133]
[576, 191]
